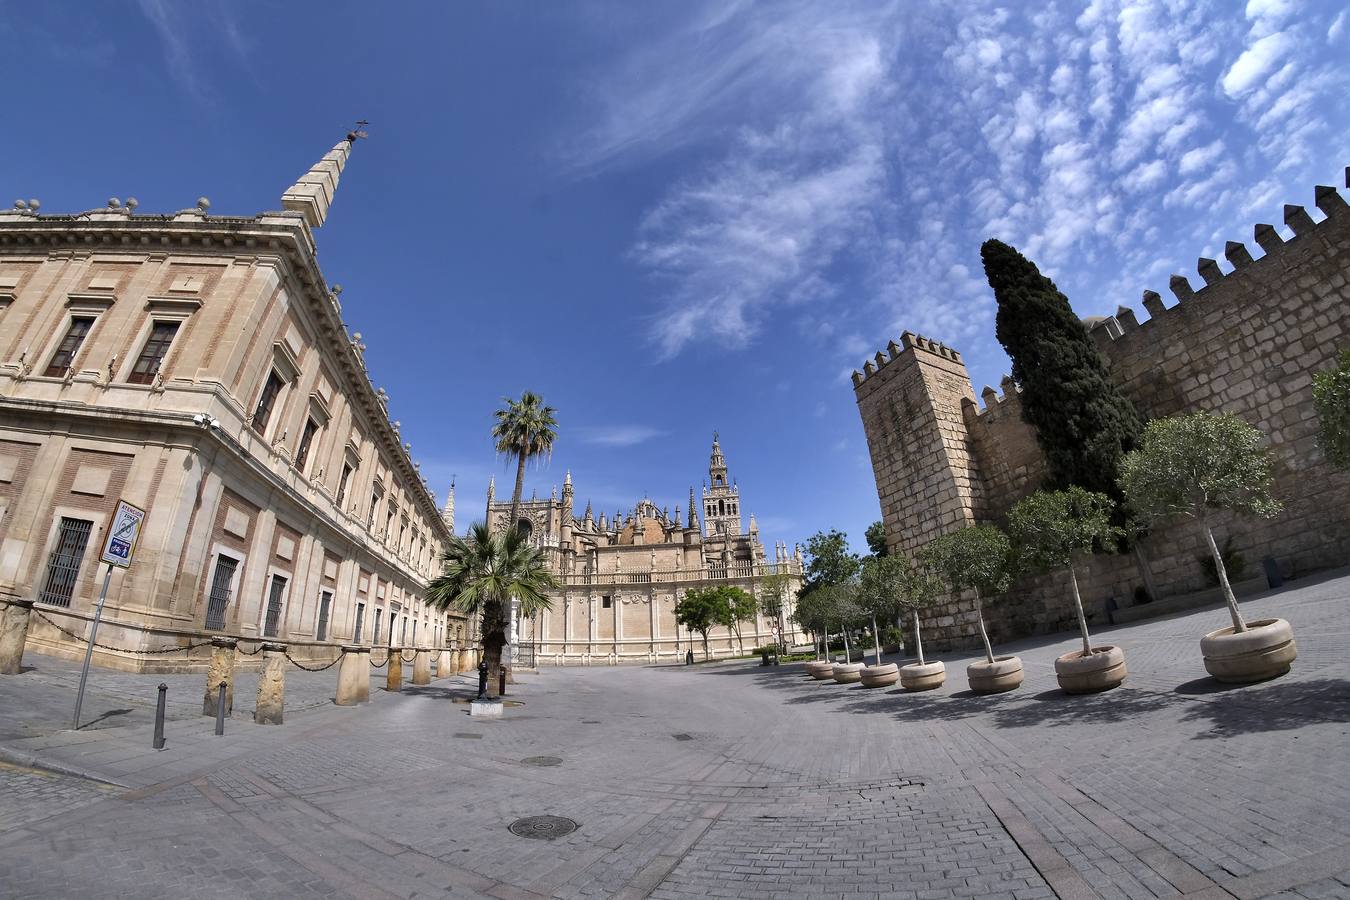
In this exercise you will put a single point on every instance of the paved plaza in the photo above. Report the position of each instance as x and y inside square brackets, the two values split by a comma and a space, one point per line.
[729, 780]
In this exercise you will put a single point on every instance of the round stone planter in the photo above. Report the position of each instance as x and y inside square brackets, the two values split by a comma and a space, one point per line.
[820, 669]
[926, 677]
[1265, 650]
[1101, 671]
[848, 673]
[1003, 674]
[880, 676]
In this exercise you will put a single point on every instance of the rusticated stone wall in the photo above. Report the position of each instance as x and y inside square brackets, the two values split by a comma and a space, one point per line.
[1247, 342]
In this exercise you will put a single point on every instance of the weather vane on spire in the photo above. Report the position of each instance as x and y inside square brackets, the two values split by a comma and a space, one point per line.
[360, 131]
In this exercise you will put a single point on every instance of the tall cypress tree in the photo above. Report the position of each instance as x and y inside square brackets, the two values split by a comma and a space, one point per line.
[1083, 423]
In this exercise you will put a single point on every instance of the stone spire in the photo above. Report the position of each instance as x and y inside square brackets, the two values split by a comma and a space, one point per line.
[448, 513]
[693, 514]
[587, 516]
[313, 193]
[717, 465]
[492, 488]
[754, 526]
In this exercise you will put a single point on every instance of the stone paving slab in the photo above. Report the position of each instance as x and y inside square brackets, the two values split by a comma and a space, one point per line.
[733, 781]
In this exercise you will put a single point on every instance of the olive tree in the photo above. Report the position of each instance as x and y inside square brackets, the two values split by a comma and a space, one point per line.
[773, 594]
[882, 588]
[1050, 529]
[700, 610]
[1193, 466]
[813, 614]
[975, 558]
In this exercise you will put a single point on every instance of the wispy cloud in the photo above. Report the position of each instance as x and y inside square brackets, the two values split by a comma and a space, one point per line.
[865, 150]
[187, 32]
[616, 435]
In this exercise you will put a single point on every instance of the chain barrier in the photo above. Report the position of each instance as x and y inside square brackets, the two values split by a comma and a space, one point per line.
[380, 665]
[77, 637]
[405, 659]
[300, 665]
[254, 652]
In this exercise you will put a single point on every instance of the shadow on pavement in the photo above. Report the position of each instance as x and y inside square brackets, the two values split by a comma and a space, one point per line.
[1268, 706]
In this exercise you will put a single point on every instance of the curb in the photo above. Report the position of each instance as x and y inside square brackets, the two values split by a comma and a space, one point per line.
[31, 761]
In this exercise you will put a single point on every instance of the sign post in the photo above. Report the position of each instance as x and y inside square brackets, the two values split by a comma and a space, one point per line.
[117, 551]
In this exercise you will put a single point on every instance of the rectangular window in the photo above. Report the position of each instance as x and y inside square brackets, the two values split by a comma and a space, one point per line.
[414, 632]
[606, 602]
[375, 635]
[360, 620]
[219, 600]
[374, 505]
[342, 483]
[274, 601]
[64, 566]
[403, 634]
[262, 413]
[152, 355]
[388, 527]
[306, 440]
[325, 601]
[70, 345]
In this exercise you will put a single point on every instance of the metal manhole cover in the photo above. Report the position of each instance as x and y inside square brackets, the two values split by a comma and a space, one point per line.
[542, 761]
[544, 828]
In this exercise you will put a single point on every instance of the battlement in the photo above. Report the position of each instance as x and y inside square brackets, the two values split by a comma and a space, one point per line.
[908, 341]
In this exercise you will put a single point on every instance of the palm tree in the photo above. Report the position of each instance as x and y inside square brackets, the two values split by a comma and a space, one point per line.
[525, 428]
[481, 572]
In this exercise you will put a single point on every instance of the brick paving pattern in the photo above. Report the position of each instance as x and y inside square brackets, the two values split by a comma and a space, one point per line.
[725, 781]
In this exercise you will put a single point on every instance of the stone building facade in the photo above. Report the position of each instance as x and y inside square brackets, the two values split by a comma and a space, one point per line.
[199, 367]
[1246, 342]
[621, 577]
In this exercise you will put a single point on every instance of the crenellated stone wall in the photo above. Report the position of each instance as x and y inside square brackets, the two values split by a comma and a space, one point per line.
[1247, 341]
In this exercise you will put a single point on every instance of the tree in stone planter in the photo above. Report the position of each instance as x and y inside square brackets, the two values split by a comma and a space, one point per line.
[847, 615]
[923, 589]
[812, 613]
[1331, 398]
[1194, 466]
[1050, 530]
[886, 587]
[978, 558]
[773, 595]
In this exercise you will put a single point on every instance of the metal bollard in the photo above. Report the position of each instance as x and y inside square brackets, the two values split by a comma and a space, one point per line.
[501, 681]
[158, 742]
[689, 657]
[220, 710]
[482, 679]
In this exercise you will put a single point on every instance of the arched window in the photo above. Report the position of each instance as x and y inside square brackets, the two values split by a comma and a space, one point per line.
[525, 527]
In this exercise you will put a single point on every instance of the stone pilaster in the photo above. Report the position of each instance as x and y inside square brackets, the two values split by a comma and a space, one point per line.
[221, 671]
[14, 616]
[271, 686]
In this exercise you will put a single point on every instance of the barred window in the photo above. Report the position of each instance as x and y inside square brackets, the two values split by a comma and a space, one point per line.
[325, 601]
[219, 600]
[63, 568]
[306, 441]
[262, 413]
[360, 620]
[275, 600]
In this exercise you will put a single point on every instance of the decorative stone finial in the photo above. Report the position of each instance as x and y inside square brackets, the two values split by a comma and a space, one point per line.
[132, 203]
[203, 204]
[114, 203]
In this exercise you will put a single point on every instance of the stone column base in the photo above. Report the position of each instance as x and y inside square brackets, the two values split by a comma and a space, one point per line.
[220, 672]
[393, 680]
[421, 667]
[271, 686]
[353, 685]
[14, 616]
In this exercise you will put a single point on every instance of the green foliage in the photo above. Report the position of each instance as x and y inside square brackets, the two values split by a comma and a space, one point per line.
[1083, 423]
[1189, 465]
[876, 538]
[1049, 528]
[892, 636]
[977, 557]
[828, 560]
[891, 584]
[813, 610]
[773, 594]
[526, 426]
[736, 607]
[701, 609]
[845, 612]
[481, 571]
[1331, 399]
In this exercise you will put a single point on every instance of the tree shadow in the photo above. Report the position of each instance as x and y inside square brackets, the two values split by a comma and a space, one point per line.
[1054, 708]
[437, 692]
[1268, 706]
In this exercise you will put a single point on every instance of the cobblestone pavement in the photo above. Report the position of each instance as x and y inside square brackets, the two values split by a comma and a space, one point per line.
[728, 781]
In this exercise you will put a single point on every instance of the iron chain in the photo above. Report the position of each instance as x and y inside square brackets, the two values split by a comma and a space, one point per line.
[300, 665]
[73, 636]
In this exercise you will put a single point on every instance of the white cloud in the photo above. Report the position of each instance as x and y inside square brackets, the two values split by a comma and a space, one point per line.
[616, 435]
[1193, 161]
[1255, 62]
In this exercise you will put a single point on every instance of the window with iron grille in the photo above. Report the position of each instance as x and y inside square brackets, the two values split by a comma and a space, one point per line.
[262, 413]
[306, 441]
[63, 568]
[325, 601]
[403, 635]
[360, 620]
[152, 356]
[274, 602]
[375, 635]
[342, 483]
[70, 345]
[219, 600]
[414, 632]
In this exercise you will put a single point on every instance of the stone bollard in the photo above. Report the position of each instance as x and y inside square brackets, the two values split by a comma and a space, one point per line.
[14, 616]
[271, 685]
[444, 664]
[394, 679]
[421, 666]
[353, 684]
[220, 672]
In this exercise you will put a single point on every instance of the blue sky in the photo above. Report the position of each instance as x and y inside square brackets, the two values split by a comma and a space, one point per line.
[670, 218]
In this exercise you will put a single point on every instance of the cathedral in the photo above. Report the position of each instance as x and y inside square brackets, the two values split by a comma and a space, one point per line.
[620, 577]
